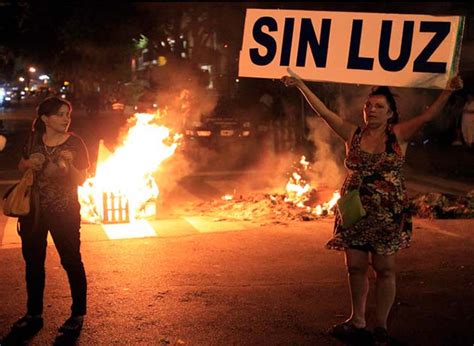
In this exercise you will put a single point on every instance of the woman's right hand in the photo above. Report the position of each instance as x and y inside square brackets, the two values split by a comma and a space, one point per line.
[33, 164]
[290, 81]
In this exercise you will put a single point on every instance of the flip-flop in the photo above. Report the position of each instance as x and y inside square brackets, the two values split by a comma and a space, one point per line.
[348, 331]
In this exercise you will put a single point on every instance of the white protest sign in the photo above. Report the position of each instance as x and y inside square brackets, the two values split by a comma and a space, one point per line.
[404, 50]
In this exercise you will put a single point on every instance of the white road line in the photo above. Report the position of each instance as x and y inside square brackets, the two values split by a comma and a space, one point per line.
[188, 225]
[435, 229]
[209, 225]
[135, 229]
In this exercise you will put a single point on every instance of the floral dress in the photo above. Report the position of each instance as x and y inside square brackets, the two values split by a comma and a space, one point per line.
[387, 227]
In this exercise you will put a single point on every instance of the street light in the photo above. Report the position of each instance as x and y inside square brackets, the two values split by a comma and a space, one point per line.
[32, 71]
[21, 79]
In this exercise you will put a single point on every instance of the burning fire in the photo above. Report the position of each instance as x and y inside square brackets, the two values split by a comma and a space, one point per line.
[227, 197]
[299, 192]
[123, 188]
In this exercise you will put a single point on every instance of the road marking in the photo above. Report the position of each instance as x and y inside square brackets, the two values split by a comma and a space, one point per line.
[210, 225]
[180, 226]
[436, 229]
[135, 229]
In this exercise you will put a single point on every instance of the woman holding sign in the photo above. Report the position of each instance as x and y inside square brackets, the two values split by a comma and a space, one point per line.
[373, 220]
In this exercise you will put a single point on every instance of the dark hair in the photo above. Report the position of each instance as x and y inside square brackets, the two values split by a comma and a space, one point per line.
[385, 91]
[48, 107]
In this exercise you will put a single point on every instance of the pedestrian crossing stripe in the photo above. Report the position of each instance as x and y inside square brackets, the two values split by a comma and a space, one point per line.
[134, 229]
[185, 225]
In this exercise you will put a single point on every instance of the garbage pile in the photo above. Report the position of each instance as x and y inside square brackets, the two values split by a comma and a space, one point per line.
[444, 206]
[274, 208]
[257, 208]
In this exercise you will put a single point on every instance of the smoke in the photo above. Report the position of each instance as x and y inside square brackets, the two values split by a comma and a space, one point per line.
[328, 169]
[329, 150]
[181, 87]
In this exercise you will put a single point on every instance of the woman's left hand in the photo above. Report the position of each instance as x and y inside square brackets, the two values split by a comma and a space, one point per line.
[455, 83]
[67, 156]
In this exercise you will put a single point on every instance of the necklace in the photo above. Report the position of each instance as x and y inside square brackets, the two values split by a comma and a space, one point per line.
[51, 149]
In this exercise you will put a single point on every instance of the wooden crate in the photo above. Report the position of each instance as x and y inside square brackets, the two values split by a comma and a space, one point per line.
[115, 208]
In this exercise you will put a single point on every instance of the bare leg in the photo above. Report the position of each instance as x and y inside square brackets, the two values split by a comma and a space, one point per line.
[385, 287]
[357, 263]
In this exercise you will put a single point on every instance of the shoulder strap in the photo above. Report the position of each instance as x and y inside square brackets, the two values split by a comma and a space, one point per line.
[356, 136]
[28, 145]
[31, 140]
[391, 140]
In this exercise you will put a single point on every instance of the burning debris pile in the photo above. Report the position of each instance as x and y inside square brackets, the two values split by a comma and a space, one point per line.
[301, 194]
[299, 202]
[444, 206]
[258, 207]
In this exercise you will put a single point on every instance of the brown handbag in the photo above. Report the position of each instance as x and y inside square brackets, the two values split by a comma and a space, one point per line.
[17, 200]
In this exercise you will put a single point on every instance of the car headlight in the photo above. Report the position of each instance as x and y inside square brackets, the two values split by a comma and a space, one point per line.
[203, 133]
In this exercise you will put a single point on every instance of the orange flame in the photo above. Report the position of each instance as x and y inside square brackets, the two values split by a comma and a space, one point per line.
[128, 172]
[298, 192]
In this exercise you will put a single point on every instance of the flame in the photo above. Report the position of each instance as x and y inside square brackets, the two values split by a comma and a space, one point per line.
[128, 172]
[327, 206]
[227, 197]
[298, 192]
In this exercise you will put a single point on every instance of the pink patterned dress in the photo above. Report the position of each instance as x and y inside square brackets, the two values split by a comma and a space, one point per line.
[387, 227]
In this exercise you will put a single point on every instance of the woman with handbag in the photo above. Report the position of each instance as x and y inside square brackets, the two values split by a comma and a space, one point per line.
[373, 219]
[60, 161]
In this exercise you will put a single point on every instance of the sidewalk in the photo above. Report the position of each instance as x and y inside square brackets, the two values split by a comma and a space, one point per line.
[419, 183]
[437, 168]
[450, 162]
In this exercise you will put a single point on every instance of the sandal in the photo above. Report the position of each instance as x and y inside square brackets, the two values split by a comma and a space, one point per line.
[349, 332]
[73, 325]
[381, 337]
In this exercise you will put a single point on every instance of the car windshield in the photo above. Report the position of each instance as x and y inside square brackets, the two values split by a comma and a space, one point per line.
[225, 108]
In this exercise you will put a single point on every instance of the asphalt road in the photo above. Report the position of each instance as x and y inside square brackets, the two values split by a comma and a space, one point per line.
[270, 285]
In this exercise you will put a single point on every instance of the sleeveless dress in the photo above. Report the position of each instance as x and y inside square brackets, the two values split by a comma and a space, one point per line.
[387, 227]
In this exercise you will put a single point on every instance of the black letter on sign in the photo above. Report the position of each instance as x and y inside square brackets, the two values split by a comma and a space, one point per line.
[287, 39]
[355, 61]
[319, 50]
[421, 63]
[265, 40]
[405, 50]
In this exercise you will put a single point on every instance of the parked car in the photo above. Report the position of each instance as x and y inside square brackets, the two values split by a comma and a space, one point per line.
[231, 136]
[225, 124]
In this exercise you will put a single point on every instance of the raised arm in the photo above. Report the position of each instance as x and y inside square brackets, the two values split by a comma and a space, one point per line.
[342, 128]
[406, 129]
